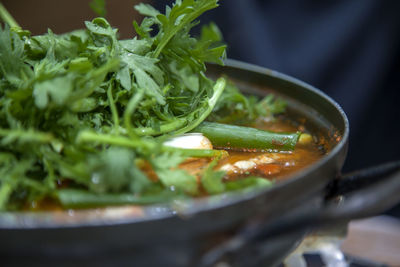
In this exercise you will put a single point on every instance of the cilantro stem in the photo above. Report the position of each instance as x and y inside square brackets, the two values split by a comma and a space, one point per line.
[196, 153]
[5, 191]
[218, 89]
[37, 186]
[7, 18]
[133, 103]
[50, 178]
[91, 137]
[164, 128]
[27, 135]
[113, 107]
[82, 199]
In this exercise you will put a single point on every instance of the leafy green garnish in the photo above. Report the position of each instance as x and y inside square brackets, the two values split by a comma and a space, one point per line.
[78, 110]
[212, 180]
[7, 18]
[234, 107]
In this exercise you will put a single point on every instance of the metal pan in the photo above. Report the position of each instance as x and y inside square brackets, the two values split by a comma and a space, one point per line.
[204, 231]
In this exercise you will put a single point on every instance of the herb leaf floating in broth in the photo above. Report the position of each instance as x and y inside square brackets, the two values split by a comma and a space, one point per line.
[83, 115]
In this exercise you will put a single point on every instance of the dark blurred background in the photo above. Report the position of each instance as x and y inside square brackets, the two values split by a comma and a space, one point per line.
[348, 49]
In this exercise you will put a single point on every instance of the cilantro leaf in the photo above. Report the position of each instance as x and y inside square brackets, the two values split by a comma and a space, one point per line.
[165, 165]
[212, 180]
[13, 69]
[114, 170]
[248, 183]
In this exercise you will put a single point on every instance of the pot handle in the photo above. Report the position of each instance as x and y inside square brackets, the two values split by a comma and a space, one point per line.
[349, 197]
[365, 193]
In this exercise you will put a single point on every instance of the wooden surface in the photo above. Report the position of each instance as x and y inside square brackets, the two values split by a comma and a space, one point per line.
[376, 239]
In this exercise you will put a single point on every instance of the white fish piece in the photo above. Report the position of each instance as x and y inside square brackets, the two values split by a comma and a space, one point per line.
[263, 159]
[227, 168]
[190, 141]
[246, 165]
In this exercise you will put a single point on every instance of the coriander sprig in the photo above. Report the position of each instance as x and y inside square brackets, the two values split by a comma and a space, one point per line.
[7, 18]
[81, 109]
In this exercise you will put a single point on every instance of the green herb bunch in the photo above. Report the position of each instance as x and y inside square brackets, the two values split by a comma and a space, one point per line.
[80, 111]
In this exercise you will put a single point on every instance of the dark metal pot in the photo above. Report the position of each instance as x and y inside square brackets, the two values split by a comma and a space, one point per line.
[243, 229]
